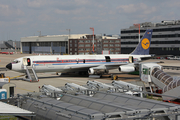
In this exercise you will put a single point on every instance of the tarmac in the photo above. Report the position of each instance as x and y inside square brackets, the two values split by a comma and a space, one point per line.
[23, 87]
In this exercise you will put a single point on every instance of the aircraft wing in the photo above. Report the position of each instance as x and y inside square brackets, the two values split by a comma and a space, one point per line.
[86, 67]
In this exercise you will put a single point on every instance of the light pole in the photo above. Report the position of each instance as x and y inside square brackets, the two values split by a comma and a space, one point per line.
[138, 25]
[93, 37]
[69, 31]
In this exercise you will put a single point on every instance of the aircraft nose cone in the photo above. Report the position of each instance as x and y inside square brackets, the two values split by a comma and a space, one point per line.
[9, 66]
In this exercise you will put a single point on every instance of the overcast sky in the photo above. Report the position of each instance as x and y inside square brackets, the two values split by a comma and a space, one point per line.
[22, 18]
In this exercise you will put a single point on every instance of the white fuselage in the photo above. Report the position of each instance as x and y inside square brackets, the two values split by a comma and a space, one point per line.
[72, 63]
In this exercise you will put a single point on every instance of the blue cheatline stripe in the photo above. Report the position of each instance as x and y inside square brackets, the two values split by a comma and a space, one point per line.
[83, 63]
[81, 60]
[92, 61]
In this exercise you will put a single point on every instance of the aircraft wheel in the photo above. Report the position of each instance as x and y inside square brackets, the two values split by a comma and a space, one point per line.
[101, 76]
[26, 76]
[111, 76]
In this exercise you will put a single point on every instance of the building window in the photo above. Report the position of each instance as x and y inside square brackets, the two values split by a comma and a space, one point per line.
[87, 41]
[81, 53]
[81, 49]
[106, 48]
[111, 48]
[87, 45]
[111, 41]
[111, 52]
[87, 49]
[81, 45]
[62, 43]
[81, 41]
[105, 41]
[111, 45]
[105, 45]
[117, 45]
[117, 41]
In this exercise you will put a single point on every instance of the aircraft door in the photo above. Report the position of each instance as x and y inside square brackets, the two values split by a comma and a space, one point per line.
[26, 61]
[108, 59]
[131, 59]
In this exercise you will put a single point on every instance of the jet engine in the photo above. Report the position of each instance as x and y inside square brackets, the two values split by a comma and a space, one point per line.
[126, 68]
[91, 71]
[98, 70]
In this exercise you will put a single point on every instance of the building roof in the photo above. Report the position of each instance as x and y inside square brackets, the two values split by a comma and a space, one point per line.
[7, 109]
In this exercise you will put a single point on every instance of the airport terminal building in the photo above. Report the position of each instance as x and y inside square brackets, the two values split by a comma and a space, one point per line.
[73, 44]
[84, 45]
[165, 38]
[45, 44]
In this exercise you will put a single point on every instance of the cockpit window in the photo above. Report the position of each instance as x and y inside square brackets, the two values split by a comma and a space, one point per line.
[16, 61]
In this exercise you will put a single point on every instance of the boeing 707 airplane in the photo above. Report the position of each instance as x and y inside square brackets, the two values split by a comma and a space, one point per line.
[92, 64]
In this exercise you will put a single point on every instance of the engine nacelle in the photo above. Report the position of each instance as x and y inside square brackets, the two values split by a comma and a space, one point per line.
[91, 71]
[126, 68]
[95, 71]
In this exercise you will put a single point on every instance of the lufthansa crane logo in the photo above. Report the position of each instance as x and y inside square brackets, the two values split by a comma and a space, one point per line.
[145, 43]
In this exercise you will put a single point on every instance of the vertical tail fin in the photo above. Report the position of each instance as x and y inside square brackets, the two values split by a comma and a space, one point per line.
[144, 45]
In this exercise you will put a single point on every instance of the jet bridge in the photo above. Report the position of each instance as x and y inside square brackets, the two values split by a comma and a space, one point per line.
[153, 73]
[170, 85]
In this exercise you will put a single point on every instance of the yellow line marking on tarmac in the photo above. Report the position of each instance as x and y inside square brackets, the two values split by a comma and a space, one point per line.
[17, 76]
[24, 89]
